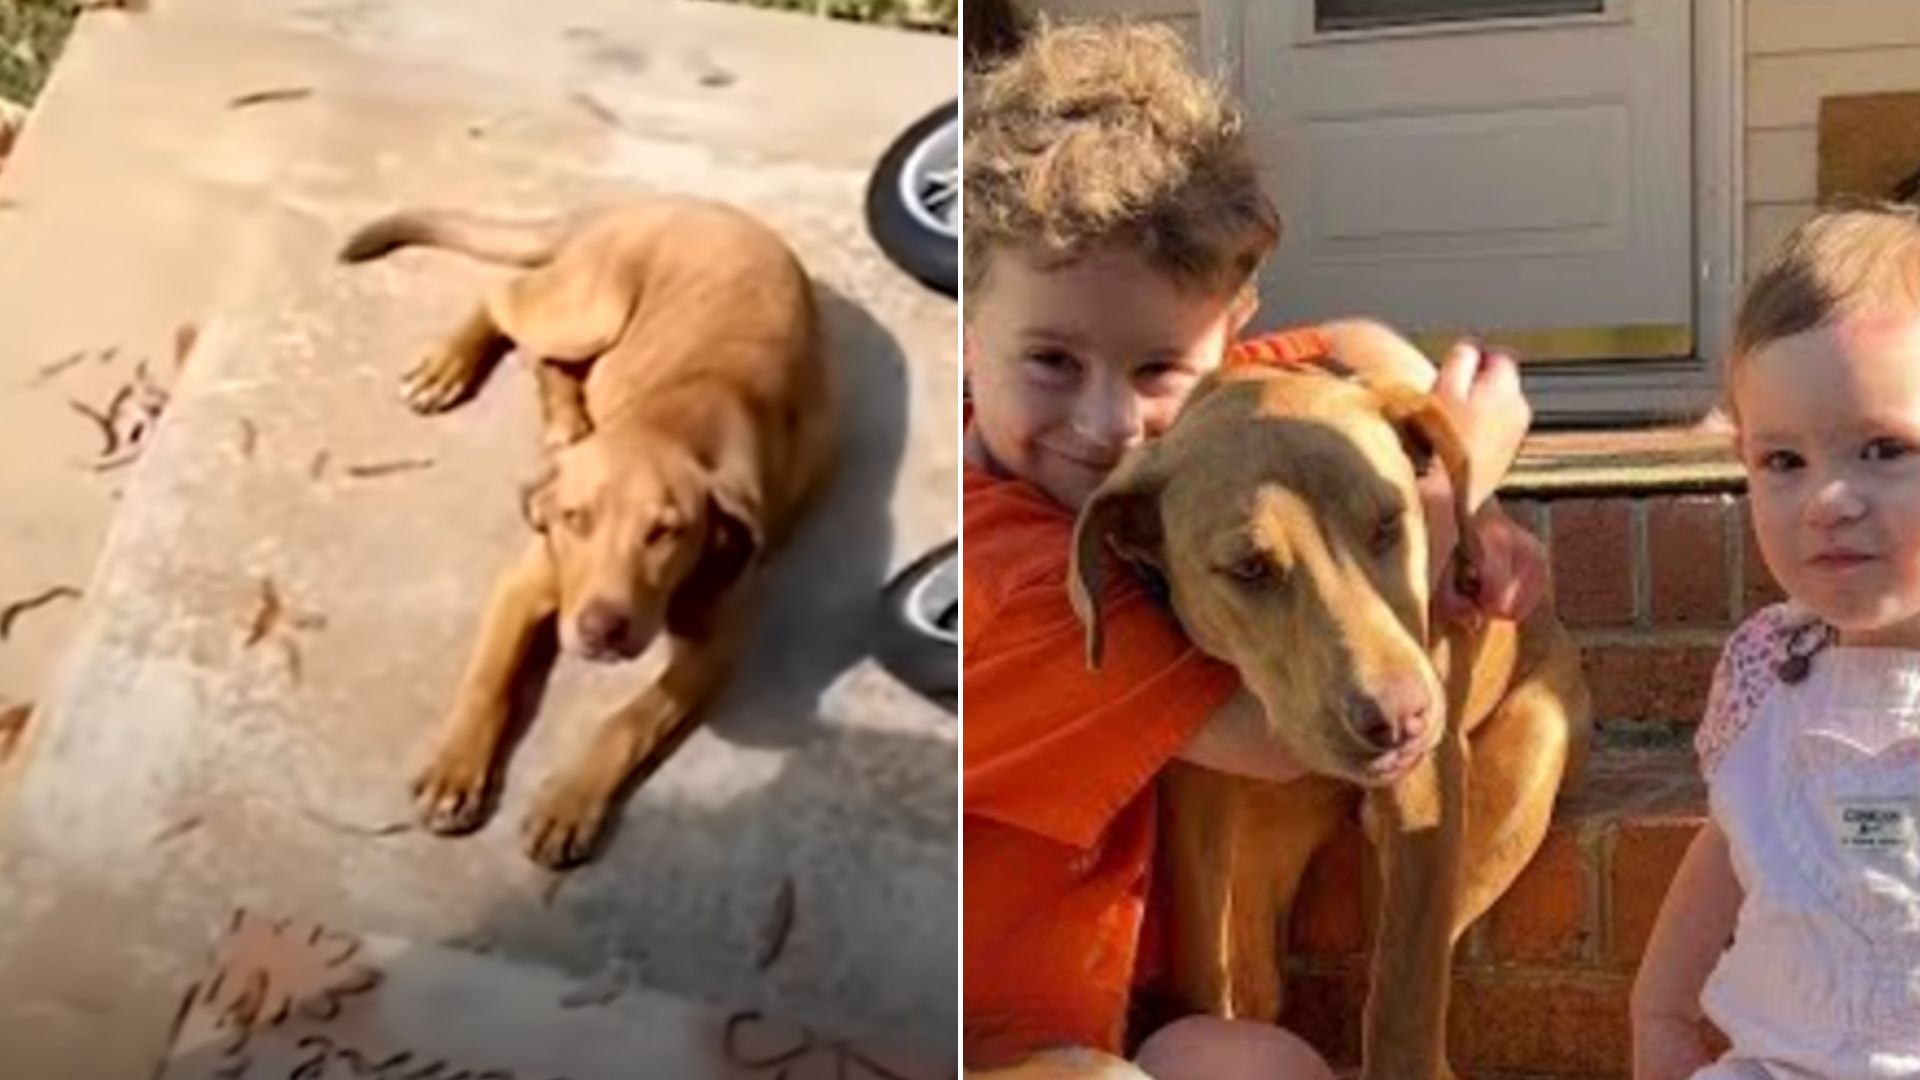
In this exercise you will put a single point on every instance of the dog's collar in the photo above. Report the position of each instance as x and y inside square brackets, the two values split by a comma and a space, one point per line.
[1298, 347]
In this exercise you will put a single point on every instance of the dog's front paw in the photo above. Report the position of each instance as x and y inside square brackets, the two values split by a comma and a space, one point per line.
[564, 825]
[561, 433]
[440, 380]
[450, 794]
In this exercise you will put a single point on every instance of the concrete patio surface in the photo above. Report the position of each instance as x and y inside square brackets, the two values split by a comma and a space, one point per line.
[173, 772]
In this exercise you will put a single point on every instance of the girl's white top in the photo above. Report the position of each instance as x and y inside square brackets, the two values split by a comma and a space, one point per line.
[1817, 787]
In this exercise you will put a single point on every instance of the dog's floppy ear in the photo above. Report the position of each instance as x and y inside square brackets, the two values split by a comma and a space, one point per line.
[1122, 514]
[734, 536]
[536, 498]
[1428, 434]
[734, 530]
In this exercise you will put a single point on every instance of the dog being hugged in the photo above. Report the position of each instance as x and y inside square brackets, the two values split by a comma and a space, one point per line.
[1282, 514]
[689, 418]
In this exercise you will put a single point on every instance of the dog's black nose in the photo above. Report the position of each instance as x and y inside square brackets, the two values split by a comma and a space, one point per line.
[604, 625]
[1390, 717]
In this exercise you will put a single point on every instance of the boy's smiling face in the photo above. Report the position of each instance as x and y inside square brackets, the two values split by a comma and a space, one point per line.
[1071, 365]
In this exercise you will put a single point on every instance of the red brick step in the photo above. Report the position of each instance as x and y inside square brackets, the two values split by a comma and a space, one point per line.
[1541, 982]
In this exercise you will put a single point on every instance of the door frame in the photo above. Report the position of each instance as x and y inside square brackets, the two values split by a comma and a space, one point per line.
[1615, 393]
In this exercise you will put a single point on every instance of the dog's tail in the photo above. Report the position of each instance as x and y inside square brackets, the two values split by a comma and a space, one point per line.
[515, 243]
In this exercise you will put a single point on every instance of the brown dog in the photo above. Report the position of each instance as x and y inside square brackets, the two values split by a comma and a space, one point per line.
[687, 404]
[1281, 512]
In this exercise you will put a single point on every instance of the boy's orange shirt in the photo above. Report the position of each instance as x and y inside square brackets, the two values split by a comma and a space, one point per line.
[1058, 767]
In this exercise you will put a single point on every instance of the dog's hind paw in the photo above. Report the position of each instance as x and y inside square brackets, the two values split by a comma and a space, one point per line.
[450, 796]
[564, 826]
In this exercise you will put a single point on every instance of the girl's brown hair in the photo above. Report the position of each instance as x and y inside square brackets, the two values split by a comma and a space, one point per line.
[1844, 261]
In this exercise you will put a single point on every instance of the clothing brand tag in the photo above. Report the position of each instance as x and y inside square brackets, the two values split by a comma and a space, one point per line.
[1873, 824]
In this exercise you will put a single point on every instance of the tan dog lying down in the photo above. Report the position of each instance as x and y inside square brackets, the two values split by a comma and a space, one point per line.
[1281, 512]
[687, 404]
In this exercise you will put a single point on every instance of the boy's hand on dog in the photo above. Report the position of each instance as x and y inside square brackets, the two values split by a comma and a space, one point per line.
[1480, 390]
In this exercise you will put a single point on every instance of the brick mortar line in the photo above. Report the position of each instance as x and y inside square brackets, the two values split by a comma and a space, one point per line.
[1593, 841]
[1655, 638]
[1640, 564]
[1530, 973]
[1597, 845]
[1473, 948]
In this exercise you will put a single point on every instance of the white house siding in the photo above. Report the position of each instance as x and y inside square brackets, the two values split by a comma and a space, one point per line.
[1798, 52]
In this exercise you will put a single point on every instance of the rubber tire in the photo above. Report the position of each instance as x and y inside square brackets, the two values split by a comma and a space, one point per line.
[924, 662]
[928, 256]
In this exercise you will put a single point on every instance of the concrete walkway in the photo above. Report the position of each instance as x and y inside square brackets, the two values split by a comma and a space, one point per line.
[173, 771]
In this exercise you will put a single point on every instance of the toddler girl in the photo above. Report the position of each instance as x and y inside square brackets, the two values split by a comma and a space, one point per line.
[1811, 742]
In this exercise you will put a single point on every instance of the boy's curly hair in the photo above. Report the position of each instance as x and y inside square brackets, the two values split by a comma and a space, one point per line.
[1852, 258]
[1100, 133]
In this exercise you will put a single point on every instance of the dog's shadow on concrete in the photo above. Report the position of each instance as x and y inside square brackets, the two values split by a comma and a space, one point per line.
[824, 599]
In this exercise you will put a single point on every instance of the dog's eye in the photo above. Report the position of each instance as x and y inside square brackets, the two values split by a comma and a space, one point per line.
[1253, 569]
[577, 519]
[1387, 534]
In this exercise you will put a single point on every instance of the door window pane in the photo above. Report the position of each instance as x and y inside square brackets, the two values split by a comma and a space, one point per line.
[1374, 14]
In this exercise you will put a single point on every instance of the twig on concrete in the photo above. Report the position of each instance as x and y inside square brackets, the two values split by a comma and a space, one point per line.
[108, 421]
[265, 614]
[318, 465]
[708, 73]
[262, 97]
[393, 828]
[153, 396]
[179, 828]
[600, 110]
[779, 924]
[184, 338]
[272, 611]
[386, 468]
[50, 370]
[111, 464]
[290, 649]
[13, 724]
[13, 611]
[249, 438]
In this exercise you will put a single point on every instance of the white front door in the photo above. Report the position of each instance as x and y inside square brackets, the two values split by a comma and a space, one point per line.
[1519, 169]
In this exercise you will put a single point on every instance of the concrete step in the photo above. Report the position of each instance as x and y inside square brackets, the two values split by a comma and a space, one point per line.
[176, 769]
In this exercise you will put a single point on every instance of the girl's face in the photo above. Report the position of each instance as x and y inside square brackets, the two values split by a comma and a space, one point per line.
[1830, 437]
